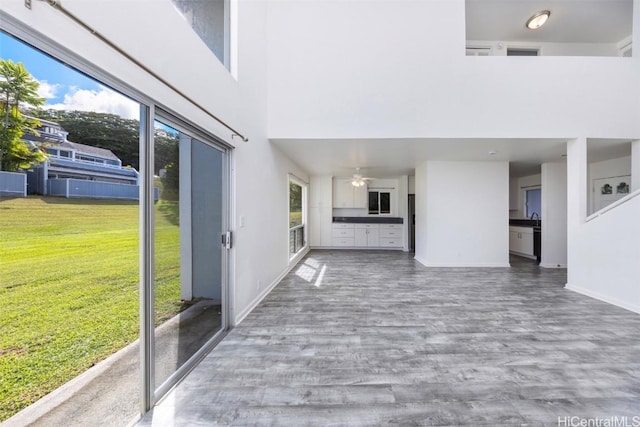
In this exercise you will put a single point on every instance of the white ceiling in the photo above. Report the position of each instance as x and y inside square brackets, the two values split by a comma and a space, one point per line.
[386, 158]
[571, 21]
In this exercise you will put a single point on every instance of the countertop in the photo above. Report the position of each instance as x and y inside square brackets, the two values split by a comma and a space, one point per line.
[525, 223]
[367, 220]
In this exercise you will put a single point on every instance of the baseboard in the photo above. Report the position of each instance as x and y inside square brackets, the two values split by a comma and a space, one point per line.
[253, 304]
[461, 265]
[614, 301]
[553, 265]
[360, 248]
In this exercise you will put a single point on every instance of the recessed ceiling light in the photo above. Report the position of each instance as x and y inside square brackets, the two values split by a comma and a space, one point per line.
[493, 153]
[538, 20]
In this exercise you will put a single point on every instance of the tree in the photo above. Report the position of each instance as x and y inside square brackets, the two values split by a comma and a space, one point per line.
[18, 89]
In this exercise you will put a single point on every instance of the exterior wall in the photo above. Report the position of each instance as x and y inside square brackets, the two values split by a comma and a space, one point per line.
[260, 171]
[415, 81]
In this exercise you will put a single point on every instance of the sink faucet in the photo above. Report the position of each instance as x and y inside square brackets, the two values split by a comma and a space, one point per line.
[535, 214]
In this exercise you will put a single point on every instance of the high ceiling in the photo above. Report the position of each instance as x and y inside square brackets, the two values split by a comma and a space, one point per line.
[571, 21]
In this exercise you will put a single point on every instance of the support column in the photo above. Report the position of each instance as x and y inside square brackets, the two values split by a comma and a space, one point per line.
[576, 181]
[576, 197]
[635, 165]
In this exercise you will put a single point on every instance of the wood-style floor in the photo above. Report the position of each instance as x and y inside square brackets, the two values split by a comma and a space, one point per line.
[375, 338]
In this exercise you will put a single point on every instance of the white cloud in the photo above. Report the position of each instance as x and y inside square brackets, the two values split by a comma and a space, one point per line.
[48, 90]
[102, 100]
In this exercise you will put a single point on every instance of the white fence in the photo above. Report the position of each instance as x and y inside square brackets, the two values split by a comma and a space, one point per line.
[82, 188]
[13, 184]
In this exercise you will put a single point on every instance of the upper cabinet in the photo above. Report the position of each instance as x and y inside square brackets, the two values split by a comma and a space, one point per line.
[320, 191]
[345, 195]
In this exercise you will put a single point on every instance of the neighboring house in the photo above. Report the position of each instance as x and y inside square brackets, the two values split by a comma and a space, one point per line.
[68, 160]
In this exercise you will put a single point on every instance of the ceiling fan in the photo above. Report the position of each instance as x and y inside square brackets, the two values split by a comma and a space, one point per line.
[358, 180]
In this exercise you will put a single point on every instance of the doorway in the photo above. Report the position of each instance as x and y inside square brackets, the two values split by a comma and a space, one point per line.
[412, 222]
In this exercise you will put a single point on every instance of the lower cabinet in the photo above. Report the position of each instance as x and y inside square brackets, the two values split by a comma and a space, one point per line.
[390, 235]
[367, 235]
[343, 235]
[521, 240]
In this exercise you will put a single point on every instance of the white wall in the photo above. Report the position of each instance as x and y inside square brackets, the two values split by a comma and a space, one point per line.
[421, 212]
[360, 81]
[465, 214]
[604, 259]
[635, 165]
[412, 184]
[602, 253]
[178, 56]
[554, 215]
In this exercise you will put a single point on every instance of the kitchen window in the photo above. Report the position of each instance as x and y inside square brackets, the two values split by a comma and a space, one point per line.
[533, 199]
[379, 202]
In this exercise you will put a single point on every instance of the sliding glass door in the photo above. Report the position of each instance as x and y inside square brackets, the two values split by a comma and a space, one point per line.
[175, 179]
[189, 258]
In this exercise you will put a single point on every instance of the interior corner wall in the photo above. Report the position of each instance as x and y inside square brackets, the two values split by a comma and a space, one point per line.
[554, 215]
[259, 170]
[467, 214]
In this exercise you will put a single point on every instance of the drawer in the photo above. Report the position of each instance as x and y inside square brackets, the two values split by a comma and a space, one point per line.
[343, 241]
[390, 242]
[391, 232]
[366, 226]
[340, 226]
[390, 226]
[341, 232]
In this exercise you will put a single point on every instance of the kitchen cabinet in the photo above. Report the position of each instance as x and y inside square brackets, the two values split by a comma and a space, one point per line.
[345, 195]
[320, 190]
[320, 211]
[521, 241]
[390, 235]
[320, 230]
[367, 235]
[343, 235]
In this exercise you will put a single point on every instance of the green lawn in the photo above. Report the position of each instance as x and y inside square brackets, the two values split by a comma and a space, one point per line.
[69, 288]
[295, 218]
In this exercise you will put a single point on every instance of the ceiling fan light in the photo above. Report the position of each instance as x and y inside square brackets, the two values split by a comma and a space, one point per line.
[538, 20]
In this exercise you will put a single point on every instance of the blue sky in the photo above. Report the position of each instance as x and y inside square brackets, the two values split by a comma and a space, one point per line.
[64, 87]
